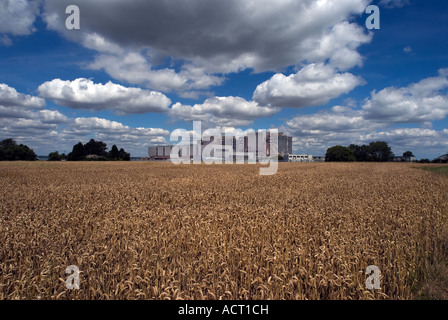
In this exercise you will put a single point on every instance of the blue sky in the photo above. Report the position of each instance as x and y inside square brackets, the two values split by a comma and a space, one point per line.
[137, 70]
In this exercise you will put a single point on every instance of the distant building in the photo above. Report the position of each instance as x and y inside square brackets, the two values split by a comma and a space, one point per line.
[284, 144]
[159, 152]
[298, 158]
[404, 159]
[318, 158]
[248, 144]
[93, 156]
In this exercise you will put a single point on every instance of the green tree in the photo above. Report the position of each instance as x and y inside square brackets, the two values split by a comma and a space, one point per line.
[114, 153]
[10, 151]
[98, 148]
[408, 154]
[54, 156]
[77, 153]
[380, 151]
[8, 143]
[339, 154]
[123, 155]
[361, 153]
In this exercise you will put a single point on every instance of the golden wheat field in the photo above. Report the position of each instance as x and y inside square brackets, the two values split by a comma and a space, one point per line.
[146, 230]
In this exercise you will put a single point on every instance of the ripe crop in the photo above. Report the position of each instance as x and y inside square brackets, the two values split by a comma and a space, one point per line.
[146, 230]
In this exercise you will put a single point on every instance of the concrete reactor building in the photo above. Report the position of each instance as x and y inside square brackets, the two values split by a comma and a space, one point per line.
[249, 145]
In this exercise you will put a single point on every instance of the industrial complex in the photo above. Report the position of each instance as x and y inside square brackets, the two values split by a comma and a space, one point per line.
[251, 146]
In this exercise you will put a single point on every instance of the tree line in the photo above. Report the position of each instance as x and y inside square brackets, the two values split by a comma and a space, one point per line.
[11, 151]
[97, 151]
[378, 151]
[92, 150]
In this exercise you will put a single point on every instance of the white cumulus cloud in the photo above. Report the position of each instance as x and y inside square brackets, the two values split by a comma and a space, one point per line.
[17, 16]
[420, 102]
[188, 46]
[222, 111]
[85, 94]
[315, 84]
[9, 97]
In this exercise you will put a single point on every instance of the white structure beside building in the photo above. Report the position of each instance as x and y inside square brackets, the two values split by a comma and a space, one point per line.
[299, 158]
[318, 158]
[404, 159]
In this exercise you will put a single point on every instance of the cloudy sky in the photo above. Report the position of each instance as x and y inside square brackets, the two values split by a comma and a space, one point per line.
[136, 70]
